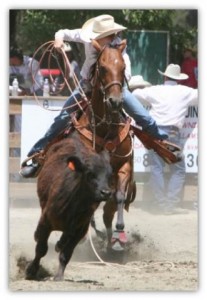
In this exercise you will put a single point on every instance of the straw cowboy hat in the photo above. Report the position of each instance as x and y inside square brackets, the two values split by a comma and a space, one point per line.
[99, 27]
[137, 81]
[173, 71]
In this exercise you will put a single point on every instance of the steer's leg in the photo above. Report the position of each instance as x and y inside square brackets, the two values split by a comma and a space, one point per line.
[61, 243]
[41, 237]
[66, 250]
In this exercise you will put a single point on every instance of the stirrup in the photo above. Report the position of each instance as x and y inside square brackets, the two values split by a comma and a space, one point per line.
[32, 169]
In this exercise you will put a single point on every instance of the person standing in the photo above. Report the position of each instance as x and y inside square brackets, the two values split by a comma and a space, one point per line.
[190, 67]
[169, 105]
[26, 70]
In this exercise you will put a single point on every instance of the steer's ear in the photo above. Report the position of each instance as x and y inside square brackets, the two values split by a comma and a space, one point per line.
[75, 164]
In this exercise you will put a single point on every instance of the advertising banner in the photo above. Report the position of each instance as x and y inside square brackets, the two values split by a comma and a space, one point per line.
[36, 120]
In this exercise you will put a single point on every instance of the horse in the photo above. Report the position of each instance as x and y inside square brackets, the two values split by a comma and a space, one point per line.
[104, 125]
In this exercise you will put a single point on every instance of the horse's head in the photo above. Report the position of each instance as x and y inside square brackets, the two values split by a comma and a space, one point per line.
[110, 68]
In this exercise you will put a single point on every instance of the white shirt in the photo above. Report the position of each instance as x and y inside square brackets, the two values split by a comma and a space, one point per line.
[90, 52]
[169, 102]
[28, 68]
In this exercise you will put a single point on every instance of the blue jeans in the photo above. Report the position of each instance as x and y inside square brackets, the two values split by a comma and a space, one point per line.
[167, 192]
[141, 116]
[131, 105]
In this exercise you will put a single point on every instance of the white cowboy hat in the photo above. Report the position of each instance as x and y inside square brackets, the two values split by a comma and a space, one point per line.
[99, 27]
[173, 71]
[137, 81]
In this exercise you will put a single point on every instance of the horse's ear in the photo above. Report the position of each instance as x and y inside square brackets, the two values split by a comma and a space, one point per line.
[96, 45]
[122, 46]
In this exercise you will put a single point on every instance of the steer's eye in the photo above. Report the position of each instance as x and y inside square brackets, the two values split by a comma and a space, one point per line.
[90, 176]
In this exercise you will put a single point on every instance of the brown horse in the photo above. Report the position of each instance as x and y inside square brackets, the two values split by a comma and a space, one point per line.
[105, 126]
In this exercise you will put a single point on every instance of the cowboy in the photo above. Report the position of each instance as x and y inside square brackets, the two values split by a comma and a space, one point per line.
[103, 29]
[169, 105]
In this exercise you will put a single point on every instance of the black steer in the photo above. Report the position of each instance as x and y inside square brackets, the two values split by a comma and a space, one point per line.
[71, 185]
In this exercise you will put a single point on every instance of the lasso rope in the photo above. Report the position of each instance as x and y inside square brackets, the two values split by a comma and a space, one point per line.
[50, 48]
[142, 265]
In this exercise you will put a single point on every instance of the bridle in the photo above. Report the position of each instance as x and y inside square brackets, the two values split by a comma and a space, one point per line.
[97, 76]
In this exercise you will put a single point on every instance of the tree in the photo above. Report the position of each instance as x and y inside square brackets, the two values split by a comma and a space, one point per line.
[35, 27]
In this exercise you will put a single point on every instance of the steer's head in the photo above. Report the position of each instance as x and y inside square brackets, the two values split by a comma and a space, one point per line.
[96, 174]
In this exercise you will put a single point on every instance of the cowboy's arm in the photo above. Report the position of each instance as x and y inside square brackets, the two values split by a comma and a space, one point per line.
[67, 35]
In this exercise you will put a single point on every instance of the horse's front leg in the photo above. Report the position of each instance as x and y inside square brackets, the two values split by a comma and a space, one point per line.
[119, 238]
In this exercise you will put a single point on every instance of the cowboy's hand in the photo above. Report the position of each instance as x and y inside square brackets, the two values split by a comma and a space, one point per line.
[58, 43]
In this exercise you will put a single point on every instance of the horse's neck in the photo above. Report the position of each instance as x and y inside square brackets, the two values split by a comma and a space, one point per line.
[102, 127]
[97, 102]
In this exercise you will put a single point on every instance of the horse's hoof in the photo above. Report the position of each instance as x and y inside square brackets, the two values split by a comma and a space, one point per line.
[117, 246]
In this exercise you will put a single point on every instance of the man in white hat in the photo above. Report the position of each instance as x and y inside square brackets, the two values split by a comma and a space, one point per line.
[104, 29]
[169, 105]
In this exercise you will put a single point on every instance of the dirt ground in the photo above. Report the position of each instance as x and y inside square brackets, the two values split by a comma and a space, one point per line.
[161, 255]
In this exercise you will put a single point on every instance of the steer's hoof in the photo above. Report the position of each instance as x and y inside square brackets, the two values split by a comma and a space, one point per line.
[31, 272]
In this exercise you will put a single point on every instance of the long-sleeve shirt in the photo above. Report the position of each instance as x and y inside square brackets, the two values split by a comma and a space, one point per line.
[91, 53]
[169, 102]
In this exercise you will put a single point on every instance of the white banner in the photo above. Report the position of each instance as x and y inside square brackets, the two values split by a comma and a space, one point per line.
[36, 121]
[189, 136]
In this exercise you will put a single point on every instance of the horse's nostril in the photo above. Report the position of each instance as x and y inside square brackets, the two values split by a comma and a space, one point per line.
[115, 103]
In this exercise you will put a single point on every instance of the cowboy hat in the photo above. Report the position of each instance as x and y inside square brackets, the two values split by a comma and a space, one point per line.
[99, 27]
[137, 81]
[173, 71]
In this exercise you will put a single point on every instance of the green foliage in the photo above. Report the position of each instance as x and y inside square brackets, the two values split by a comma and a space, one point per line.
[149, 19]
[35, 27]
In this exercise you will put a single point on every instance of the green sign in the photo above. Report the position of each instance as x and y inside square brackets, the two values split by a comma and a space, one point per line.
[148, 51]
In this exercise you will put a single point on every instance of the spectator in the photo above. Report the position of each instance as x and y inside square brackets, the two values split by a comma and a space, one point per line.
[169, 105]
[24, 68]
[104, 29]
[189, 66]
[138, 81]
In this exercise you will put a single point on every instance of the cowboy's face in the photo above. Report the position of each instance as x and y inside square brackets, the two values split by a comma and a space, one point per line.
[106, 40]
[15, 61]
